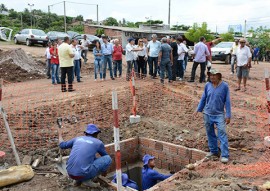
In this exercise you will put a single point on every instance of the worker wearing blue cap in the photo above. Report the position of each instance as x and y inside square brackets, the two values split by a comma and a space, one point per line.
[126, 182]
[82, 164]
[150, 177]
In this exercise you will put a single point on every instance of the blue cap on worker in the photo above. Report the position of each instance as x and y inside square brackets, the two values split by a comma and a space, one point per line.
[131, 39]
[146, 159]
[92, 129]
[124, 179]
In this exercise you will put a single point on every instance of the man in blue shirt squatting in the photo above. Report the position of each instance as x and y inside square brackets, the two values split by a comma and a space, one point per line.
[215, 97]
[82, 165]
[126, 182]
[150, 177]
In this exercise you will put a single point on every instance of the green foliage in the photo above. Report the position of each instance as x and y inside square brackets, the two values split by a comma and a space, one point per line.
[260, 38]
[110, 21]
[41, 20]
[100, 31]
[154, 22]
[180, 27]
[227, 37]
[196, 31]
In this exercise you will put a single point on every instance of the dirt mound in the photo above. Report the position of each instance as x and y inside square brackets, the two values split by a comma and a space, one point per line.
[17, 66]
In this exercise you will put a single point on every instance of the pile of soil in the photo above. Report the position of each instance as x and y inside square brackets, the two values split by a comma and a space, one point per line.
[17, 66]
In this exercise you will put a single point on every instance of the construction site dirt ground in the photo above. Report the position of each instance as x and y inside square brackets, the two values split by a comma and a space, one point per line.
[169, 119]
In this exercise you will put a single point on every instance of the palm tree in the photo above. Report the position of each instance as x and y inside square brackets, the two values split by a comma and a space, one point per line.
[3, 8]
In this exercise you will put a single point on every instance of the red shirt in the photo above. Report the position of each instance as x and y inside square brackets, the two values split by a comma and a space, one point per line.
[54, 57]
[209, 44]
[117, 52]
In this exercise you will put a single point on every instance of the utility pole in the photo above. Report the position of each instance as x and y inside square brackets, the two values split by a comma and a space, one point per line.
[216, 30]
[245, 35]
[31, 5]
[97, 15]
[169, 16]
[49, 21]
[65, 17]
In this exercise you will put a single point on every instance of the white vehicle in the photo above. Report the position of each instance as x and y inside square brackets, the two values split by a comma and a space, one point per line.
[5, 33]
[222, 52]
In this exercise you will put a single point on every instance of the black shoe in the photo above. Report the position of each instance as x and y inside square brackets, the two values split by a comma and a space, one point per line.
[170, 81]
[191, 81]
[58, 82]
[79, 81]
[80, 77]
[71, 90]
[64, 90]
[49, 77]
[112, 78]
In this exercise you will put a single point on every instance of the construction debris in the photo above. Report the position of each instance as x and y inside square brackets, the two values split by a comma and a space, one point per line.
[27, 160]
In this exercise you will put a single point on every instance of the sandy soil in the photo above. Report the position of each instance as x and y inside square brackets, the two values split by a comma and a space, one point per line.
[166, 115]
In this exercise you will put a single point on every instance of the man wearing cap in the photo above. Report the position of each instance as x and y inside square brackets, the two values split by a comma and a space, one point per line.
[153, 49]
[150, 177]
[130, 56]
[126, 182]
[215, 98]
[82, 164]
[234, 53]
[107, 49]
[243, 63]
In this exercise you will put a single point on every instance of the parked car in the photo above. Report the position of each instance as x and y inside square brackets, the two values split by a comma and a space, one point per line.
[222, 52]
[31, 36]
[73, 34]
[91, 38]
[54, 35]
[190, 53]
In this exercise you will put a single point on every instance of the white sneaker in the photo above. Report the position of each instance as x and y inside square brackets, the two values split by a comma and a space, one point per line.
[224, 160]
[90, 183]
[180, 79]
[95, 80]
[231, 73]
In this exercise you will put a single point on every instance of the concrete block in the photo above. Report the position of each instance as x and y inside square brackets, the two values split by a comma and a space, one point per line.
[135, 119]
[267, 141]
[27, 160]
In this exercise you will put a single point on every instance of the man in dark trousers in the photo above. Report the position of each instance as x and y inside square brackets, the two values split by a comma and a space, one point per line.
[82, 164]
[175, 57]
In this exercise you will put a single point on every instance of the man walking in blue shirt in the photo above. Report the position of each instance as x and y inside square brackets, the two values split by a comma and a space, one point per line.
[215, 98]
[201, 52]
[107, 49]
[82, 164]
[150, 177]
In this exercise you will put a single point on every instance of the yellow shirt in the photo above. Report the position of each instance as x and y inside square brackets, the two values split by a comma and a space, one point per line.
[64, 50]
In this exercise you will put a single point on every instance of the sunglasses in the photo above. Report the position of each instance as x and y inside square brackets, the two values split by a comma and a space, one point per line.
[242, 42]
[140, 41]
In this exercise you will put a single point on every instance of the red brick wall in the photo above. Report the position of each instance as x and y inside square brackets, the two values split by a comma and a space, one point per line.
[169, 156]
[108, 32]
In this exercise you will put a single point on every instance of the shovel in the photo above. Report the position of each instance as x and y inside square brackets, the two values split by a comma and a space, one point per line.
[60, 163]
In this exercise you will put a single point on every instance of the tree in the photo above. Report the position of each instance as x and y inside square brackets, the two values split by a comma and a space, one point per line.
[180, 27]
[3, 8]
[79, 18]
[196, 31]
[227, 37]
[110, 21]
[100, 31]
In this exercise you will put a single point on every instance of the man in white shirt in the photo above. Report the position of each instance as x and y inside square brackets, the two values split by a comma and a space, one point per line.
[234, 53]
[181, 50]
[243, 63]
[48, 60]
[85, 43]
[153, 49]
[77, 57]
[130, 55]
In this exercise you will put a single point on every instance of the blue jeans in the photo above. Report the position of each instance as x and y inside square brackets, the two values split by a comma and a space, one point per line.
[99, 166]
[209, 121]
[107, 59]
[180, 68]
[117, 65]
[153, 66]
[185, 62]
[165, 65]
[55, 76]
[76, 70]
[98, 68]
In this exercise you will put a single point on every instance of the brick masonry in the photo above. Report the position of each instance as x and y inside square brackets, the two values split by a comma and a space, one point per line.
[109, 32]
[168, 156]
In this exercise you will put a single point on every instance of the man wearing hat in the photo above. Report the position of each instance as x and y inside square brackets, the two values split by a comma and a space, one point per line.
[243, 63]
[215, 98]
[126, 182]
[150, 177]
[130, 56]
[82, 164]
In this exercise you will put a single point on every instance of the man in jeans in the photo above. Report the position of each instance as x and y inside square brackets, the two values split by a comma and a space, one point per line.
[66, 56]
[175, 57]
[165, 60]
[83, 165]
[234, 53]
[130, 56]
[117, 58]
[77, 57]
[107, 49]
[215, 98]
[201, 52]
[153, 49]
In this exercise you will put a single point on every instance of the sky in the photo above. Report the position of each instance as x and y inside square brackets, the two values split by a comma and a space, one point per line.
[219, 14]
